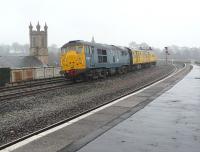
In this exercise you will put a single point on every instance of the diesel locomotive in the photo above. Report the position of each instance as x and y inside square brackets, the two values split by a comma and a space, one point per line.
[89, 60]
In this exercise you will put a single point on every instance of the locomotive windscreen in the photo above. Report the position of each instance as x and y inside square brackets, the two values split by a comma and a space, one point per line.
[77, 48]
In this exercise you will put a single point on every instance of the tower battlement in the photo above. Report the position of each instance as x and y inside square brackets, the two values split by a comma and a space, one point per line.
[39, 43]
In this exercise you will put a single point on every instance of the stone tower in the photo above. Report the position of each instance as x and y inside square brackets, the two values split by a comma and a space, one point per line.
[38, 43]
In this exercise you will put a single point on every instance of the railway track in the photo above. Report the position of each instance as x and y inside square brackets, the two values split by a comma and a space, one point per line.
[32, 87]
[25, 90]
[31, 83]
[175, 71]
[31, 91]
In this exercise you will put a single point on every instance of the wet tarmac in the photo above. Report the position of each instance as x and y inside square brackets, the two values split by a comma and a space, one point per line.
[171, 123]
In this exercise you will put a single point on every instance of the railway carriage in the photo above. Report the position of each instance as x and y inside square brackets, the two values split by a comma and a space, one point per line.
[88, 60]
[143, 58]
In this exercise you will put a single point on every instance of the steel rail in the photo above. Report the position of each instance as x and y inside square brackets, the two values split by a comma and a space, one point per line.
[31, 84]
[32, 91]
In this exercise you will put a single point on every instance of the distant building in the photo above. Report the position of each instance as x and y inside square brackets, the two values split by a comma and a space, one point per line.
[38, 43]
[19, 62]
[38, 51]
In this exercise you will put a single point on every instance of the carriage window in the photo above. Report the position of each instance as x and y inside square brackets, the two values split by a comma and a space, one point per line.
[101, 52]
[104, 52]
[100, 59]
[124, 53]
[104, 59]
[102, 56]
[98, 51]
[113, 59]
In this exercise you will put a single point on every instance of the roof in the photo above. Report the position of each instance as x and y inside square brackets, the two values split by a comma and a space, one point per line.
[20, 61]
[97, 45]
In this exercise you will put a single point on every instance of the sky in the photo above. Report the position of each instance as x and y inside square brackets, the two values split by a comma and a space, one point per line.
[159, 23]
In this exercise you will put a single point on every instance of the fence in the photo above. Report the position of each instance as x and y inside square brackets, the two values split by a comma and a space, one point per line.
[27, 74]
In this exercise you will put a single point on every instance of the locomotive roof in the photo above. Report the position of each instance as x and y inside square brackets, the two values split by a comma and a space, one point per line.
[97, 45]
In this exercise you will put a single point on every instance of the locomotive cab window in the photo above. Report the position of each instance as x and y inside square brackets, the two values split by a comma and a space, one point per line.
[63, 50]
[78, 49]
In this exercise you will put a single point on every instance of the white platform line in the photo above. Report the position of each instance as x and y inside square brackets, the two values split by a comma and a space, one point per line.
[35, 137]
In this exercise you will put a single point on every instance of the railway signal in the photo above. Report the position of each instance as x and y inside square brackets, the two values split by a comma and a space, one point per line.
[166, 54]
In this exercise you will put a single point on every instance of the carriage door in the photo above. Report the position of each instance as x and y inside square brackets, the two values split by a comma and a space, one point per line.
[92, 63]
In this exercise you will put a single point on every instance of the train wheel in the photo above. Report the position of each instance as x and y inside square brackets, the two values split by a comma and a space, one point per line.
[65, 76]
[125, 70]
[95, 75]
[86, 78]
[73, 80]
[120, 70]
[103, 74]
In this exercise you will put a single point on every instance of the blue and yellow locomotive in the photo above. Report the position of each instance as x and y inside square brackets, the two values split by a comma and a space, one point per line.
[88, 60]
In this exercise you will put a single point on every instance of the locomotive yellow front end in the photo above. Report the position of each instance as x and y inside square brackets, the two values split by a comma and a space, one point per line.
[72, 60]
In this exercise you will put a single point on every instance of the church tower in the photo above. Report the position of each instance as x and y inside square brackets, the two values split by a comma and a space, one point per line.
[38, 43]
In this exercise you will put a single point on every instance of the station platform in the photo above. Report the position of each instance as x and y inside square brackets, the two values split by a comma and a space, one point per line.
[170, 123]
[162, 117]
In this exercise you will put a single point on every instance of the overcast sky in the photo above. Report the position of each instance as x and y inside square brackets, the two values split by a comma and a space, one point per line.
[156, 22]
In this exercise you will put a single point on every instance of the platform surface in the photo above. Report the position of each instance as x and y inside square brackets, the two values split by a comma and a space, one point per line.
[171, 123]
